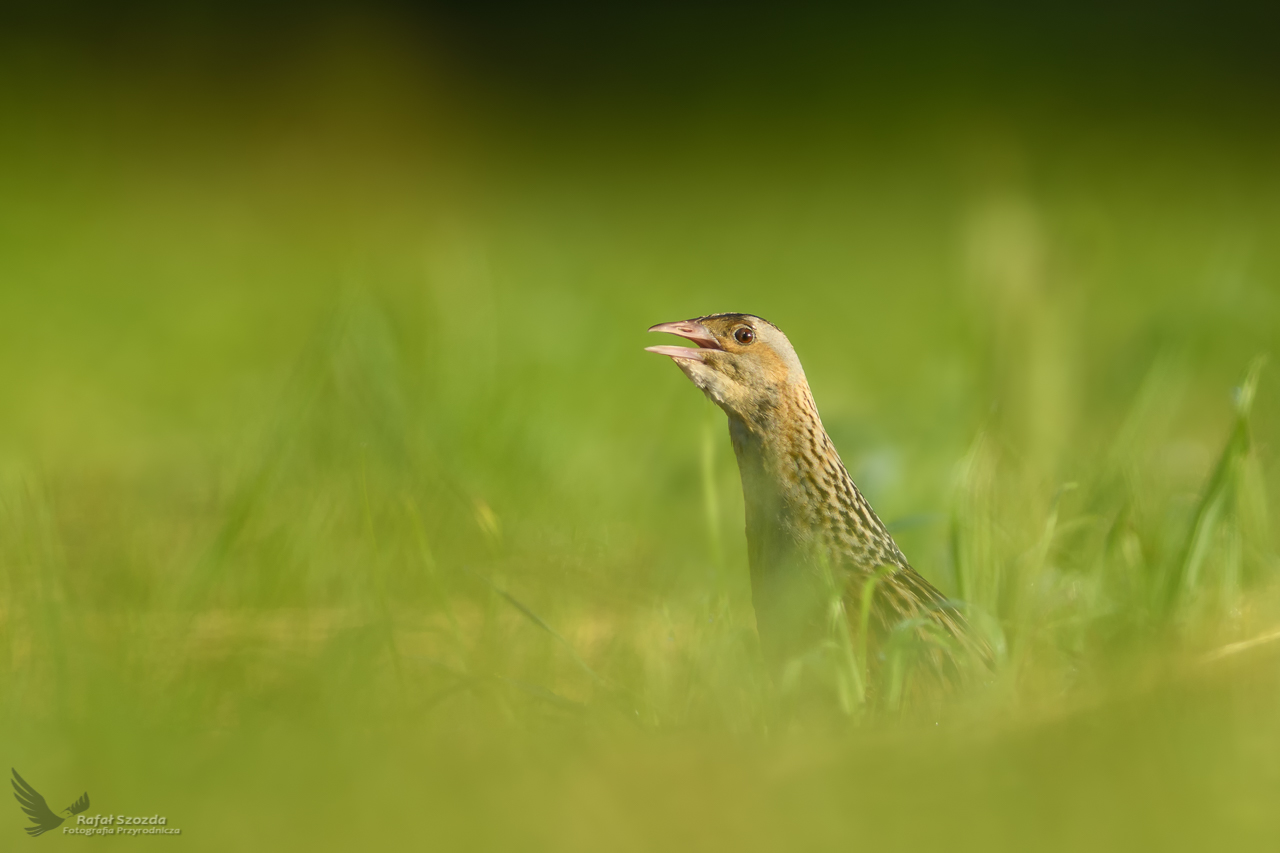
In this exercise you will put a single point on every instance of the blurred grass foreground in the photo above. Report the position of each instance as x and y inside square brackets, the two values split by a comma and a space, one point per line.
[340, 507]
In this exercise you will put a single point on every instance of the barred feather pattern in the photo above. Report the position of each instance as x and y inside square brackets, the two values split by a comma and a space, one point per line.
[807, 523]
[791, 456]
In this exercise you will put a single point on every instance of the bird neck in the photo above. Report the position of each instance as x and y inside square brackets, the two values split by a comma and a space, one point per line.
[797, 491]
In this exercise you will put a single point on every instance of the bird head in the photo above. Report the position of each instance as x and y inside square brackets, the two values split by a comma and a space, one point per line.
[743, 363]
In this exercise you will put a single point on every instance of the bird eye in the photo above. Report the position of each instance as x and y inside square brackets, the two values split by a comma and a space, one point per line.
[744, 335]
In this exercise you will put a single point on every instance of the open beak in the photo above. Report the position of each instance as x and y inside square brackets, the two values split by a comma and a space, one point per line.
[690, 330]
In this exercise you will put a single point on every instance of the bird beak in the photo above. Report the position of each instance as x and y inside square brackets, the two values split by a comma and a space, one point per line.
[690, 330]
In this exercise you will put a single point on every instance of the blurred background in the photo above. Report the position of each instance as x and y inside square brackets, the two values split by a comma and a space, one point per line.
[339, 503]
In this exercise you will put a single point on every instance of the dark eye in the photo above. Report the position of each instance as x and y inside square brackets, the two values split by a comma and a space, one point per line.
[744, 335]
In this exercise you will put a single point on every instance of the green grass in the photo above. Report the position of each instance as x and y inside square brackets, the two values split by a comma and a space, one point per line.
[339, 504]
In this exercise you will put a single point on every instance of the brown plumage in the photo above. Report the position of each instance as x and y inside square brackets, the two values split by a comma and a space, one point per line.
[808, 526]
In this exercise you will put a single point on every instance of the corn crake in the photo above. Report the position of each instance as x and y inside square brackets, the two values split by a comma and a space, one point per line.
[810, 532]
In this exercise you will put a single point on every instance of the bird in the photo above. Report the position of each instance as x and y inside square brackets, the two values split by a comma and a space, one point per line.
[42, 817]
[812, 537]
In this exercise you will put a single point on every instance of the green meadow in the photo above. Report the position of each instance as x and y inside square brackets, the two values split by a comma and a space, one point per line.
[340, 507]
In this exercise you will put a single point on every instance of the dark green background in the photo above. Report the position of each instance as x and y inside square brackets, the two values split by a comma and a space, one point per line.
[321, 325]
